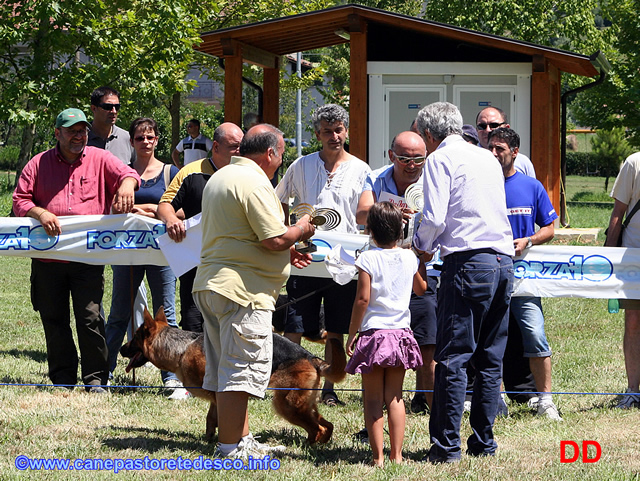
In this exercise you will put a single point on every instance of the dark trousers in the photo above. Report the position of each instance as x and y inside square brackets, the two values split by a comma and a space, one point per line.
[473, 306]
[190, 317]
[51, 284]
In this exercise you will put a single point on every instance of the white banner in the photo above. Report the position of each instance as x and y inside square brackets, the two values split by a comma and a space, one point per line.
[126, 239]
[545, 271]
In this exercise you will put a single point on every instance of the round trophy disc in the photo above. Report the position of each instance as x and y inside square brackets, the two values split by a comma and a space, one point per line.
[414, 196]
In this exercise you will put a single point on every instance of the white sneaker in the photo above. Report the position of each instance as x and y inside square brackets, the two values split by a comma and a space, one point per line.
[176, 390]
[629, 400]
[467, 407]
[248, 446]
[532, 403]
[549, 410]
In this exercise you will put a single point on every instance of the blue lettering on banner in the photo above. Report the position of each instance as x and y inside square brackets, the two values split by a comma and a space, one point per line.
[593, 268]
[125, 239]
[26, 238]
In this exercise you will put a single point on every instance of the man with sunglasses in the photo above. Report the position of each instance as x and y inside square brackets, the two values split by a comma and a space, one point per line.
[104, 133]
[72, 179]
[518, 379]
[407, 155]
[489, 119]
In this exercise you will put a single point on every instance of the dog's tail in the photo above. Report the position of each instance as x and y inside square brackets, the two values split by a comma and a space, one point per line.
[334, 372]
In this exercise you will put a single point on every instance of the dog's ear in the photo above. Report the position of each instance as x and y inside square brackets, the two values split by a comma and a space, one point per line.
[160, 315]
[147, 316]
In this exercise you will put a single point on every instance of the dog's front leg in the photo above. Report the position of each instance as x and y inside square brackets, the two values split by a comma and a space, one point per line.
[212, 422]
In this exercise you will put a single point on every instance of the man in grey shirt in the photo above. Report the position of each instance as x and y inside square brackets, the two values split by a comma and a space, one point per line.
[104, 133]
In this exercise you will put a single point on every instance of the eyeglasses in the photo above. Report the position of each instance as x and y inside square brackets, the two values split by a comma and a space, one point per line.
[142, 138]
[109, 107]
[492, 125]
[405, 160]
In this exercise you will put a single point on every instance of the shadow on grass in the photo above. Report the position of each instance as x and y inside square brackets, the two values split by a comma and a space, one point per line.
[38, 356]
[153, 440]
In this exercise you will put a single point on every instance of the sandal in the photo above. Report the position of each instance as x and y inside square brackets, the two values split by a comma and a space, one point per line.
[330, 398]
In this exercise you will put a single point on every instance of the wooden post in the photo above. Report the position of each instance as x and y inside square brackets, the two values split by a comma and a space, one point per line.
[358, 122]
[271, 97]
[545, 126]
[233, 88]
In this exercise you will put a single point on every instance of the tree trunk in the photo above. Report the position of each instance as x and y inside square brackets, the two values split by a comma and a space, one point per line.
[26, 146]
[174, 111]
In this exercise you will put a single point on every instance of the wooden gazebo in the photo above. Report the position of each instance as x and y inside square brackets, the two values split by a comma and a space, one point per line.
[377, 35]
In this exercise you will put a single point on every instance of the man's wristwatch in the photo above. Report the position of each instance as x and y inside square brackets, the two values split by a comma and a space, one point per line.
[529, 242]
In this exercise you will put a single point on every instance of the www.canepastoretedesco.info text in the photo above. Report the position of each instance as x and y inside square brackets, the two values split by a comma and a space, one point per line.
[24, 463]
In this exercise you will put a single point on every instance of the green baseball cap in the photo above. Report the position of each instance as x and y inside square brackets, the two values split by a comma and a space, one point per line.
[70, 117]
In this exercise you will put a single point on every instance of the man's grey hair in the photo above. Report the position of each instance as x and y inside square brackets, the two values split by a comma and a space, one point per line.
[330, 113]
[440, 119]
[259, 142]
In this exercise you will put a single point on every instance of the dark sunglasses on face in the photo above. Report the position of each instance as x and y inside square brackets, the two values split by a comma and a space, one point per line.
[492, 125]
[109, 107]
[405, 160]
[142, 138]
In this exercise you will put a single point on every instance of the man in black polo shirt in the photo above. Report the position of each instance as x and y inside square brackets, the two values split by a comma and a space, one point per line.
[185, 193]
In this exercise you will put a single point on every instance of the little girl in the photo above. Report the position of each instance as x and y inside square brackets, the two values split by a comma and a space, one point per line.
[385, 348]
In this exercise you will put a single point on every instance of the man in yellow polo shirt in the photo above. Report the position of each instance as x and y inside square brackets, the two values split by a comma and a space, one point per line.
[245, 261]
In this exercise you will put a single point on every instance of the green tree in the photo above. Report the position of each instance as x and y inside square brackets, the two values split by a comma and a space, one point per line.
[610, 147]
[615, 102]
[55, 53]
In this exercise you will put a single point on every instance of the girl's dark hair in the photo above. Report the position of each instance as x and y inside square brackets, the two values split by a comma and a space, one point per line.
[385, 223]
[150, 124]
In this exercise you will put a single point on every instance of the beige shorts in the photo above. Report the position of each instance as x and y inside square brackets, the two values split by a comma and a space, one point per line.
[629, 304]
[238, 345]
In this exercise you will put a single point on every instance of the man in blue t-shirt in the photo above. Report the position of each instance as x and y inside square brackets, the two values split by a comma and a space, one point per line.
[527, 205]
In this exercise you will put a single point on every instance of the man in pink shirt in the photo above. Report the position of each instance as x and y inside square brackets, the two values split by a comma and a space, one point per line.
[72, 179]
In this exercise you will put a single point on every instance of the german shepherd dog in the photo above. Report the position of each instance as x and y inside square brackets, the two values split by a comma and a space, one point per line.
[182, 352]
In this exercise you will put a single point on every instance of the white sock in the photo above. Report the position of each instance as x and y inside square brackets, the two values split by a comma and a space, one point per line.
[545, 398]
[225, 449]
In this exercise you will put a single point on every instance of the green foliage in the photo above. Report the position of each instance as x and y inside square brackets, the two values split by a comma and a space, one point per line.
[9, 157]
[568, 25]
[581, 163]
[610, 147]
[615, 102]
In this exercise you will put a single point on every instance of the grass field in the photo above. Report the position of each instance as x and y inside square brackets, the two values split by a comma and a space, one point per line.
[42, 422]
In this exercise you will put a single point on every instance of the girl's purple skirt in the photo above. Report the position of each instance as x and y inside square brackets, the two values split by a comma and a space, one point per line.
[384, 348]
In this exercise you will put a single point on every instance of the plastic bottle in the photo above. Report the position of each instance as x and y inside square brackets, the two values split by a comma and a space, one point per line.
[613, 306]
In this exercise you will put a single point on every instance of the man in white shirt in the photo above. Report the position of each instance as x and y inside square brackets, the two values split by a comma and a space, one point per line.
[195, 146]
[474, 235]
[331, 178]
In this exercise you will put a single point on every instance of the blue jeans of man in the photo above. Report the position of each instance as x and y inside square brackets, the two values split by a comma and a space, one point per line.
[473, 308]
[162, 283]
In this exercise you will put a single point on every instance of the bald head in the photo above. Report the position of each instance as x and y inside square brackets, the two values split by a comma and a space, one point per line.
[264, 144]
[407, 153]
[488, 120]
[226, 143]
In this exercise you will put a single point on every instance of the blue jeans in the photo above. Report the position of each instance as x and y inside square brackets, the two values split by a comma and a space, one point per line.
[162, 283]
[527, 311]
[473, 307]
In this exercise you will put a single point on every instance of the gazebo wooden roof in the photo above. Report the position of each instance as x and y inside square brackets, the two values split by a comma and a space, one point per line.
[376, 34]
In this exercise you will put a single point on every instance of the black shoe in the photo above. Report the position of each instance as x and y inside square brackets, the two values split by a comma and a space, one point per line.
[362, 436]
[433, 459]
[419, 404]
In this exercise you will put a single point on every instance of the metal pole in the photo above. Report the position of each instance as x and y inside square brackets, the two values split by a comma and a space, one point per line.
[299, 106]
